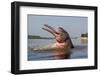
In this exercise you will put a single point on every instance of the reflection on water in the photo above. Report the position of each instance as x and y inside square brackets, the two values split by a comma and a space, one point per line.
[79, 51]
[84, 41]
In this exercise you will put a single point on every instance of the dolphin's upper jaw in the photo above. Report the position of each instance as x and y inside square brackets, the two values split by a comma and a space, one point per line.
[57, 35]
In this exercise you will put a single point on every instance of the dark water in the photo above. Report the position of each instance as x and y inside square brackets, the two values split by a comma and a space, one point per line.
[79, 51]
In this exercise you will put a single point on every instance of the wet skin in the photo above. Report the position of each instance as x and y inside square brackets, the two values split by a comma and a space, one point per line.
[62, 45]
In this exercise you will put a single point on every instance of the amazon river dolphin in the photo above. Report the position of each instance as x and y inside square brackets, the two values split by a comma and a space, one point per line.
[62, 45]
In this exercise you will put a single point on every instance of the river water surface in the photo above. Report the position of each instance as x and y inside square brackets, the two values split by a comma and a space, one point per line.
[79, 51]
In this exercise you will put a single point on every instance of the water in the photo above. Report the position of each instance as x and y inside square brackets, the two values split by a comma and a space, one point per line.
[79, 51]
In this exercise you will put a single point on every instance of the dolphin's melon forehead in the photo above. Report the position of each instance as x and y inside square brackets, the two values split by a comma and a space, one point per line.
[61, 29]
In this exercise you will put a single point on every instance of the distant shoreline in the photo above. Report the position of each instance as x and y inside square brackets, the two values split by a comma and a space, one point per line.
[38, 37]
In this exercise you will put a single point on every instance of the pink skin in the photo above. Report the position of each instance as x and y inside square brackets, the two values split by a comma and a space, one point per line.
[59, 36]
[63, 42]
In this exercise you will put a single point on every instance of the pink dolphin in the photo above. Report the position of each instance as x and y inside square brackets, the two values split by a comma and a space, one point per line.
[63, 44]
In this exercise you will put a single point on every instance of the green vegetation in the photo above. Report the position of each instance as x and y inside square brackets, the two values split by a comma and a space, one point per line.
[38, 37]
[84, 35]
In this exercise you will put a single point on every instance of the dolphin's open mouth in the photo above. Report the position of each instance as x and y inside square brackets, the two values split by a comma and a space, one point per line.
[50, 29]
[56, 33]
